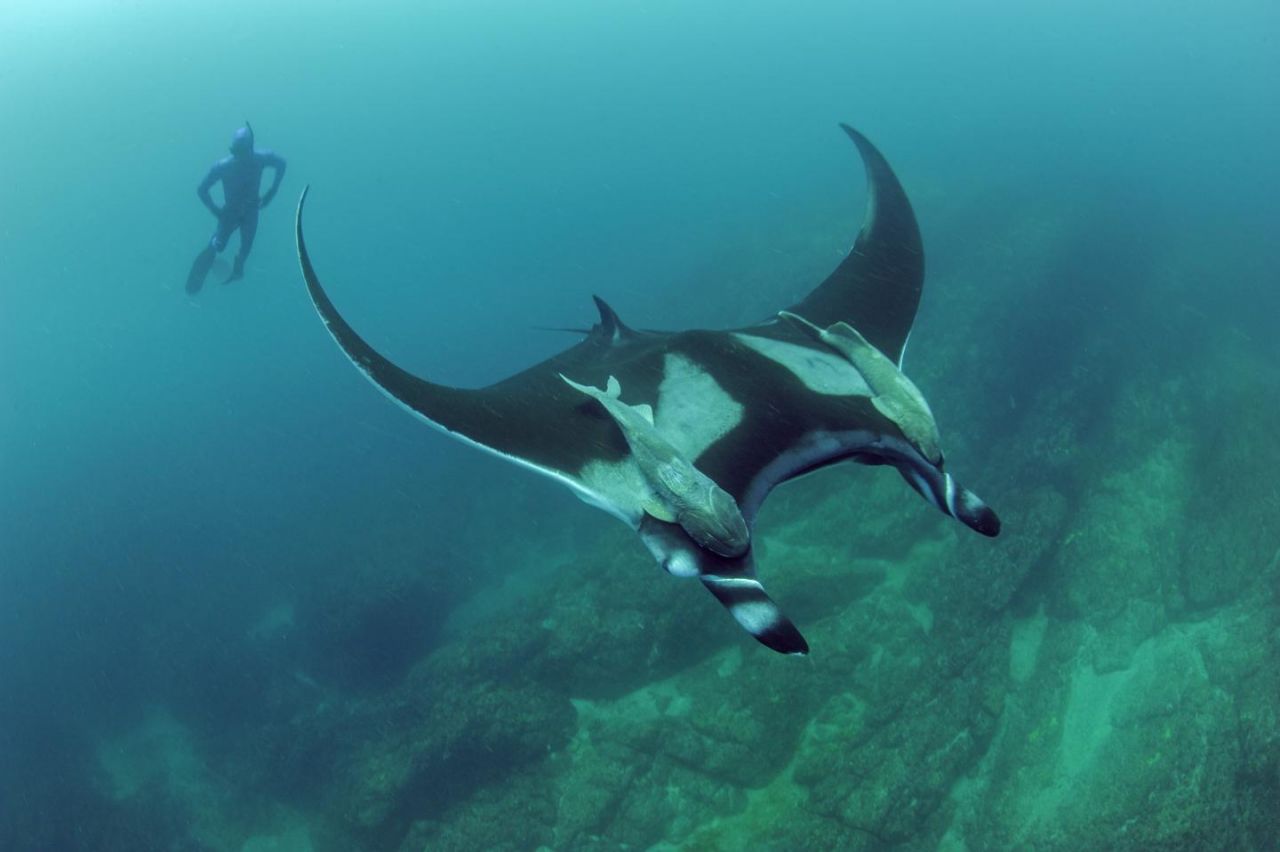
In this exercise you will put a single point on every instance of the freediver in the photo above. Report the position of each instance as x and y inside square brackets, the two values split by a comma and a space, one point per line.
[241, 175]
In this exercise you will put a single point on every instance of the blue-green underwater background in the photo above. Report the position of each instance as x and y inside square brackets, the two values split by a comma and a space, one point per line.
[247, 604]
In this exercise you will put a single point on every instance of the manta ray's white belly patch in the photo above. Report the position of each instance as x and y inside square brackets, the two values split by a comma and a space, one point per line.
[821, 372]
[693, 411]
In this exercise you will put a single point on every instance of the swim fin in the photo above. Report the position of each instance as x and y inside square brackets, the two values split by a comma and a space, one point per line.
[199, 269]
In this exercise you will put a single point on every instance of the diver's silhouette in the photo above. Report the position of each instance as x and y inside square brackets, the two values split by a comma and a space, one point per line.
[240, 174]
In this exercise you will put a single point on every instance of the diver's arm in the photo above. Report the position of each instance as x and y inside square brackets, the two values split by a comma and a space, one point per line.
[205, 185]
[276, 162]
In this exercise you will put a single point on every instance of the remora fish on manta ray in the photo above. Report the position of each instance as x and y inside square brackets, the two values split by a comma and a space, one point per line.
[682, 435]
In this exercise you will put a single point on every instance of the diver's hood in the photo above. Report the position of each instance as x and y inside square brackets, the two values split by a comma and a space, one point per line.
[242, 140]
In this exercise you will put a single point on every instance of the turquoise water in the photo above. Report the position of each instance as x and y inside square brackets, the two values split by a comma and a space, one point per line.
[247, 604]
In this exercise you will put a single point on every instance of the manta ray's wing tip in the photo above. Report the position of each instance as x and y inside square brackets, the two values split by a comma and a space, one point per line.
[297, 217]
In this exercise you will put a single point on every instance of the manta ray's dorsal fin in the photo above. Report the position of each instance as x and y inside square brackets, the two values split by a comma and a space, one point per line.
[877, 286]
[611, 327]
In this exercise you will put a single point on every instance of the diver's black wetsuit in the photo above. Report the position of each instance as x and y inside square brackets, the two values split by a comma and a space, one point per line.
[241, 174]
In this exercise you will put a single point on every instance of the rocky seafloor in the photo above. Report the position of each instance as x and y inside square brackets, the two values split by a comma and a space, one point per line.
[1106, 674]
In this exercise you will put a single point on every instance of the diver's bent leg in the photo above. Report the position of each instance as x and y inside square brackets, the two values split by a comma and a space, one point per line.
[222, 234]
[248, 230]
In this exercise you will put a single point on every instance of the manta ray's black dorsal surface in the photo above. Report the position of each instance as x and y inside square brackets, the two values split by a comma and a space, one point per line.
[683, 434]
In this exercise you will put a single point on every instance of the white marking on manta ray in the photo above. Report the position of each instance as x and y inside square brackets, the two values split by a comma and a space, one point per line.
[733, 582]
[755, 616]
[821, 372]
[681, 563]
[693, 410]
[939, 488]
[925, 491]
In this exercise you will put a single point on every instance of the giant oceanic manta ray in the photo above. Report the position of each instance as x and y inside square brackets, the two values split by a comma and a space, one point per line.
[683, 434]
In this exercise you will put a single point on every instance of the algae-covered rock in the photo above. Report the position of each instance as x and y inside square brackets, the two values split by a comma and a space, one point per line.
[1147, 756]
[365, 626]
[972, 581]
[739, 721]
[377, 763]
[884, 778]
[1230, 543]
[598, 625]
[453, 738]
[514, 814]
[609, 631]
[1123, 544]
[665, 760]
[595, 777]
